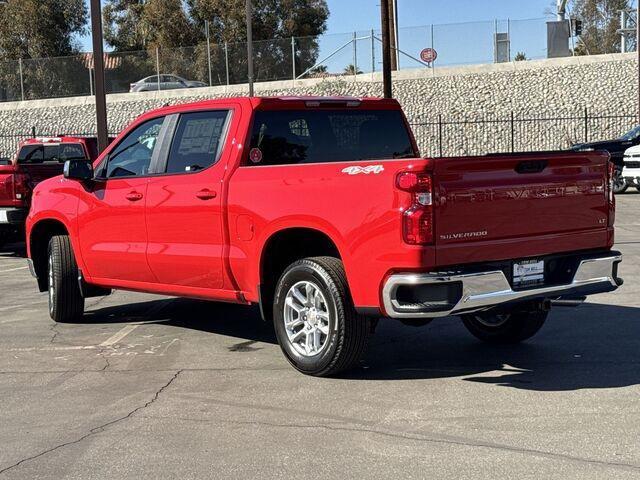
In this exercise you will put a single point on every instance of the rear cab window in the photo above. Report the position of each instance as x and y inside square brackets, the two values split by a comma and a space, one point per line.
[285, 137]
[50, 153]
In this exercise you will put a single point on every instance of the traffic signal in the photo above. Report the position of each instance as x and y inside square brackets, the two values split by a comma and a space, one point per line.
[576, 27]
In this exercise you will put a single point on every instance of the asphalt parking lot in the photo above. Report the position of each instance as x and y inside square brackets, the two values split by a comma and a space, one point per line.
[155, 387]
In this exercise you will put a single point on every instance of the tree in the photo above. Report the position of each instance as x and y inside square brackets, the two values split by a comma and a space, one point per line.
[351, 70]
[32, 29]
[41, 28]
[123, 26]
[600, 23]
[275, 22]
[520, 57]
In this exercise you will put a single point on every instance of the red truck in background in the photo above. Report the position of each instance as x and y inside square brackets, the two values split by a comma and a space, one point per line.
[321, 211]
[37, 159]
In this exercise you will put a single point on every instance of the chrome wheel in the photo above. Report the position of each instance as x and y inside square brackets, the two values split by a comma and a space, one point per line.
[306, 318]
[52, 288]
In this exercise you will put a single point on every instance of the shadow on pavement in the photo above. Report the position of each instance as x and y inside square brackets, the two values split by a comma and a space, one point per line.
[227, 319]
[593, 346]
[13, 250]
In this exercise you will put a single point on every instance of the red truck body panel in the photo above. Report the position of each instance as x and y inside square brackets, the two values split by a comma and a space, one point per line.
[171, 240]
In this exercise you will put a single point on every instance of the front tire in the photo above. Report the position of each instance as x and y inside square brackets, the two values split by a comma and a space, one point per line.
[315, 321]
[66, 303]
[501, 328]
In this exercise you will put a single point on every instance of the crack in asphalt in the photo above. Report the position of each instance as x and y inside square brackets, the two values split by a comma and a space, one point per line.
[107, 364]
[444, 440]
[54, 330]
[97, 429]
[449, 440]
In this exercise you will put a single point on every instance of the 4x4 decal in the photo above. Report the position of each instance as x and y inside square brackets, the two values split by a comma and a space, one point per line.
[355, 170]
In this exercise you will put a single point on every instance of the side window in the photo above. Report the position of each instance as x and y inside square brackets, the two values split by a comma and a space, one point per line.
[197, 142]
[31, 154]
[132, 156]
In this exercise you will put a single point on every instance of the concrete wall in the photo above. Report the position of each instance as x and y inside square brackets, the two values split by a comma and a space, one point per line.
[605, 84]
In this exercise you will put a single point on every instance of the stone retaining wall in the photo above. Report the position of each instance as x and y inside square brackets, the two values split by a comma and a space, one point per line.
[493, 101]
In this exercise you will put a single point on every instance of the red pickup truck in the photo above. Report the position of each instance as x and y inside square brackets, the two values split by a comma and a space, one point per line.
[37, 159]
[321, 211]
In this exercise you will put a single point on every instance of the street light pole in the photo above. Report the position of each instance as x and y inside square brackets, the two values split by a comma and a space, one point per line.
[249, 47]
[386, 49]
[98, 64]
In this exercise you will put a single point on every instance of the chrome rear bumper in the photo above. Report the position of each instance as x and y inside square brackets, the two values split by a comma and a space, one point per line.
[484, 290]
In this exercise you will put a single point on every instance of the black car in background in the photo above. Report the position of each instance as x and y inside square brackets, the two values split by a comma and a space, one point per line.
[616, 149]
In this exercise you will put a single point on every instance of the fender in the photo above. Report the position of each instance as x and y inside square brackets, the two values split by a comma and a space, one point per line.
[317, 224]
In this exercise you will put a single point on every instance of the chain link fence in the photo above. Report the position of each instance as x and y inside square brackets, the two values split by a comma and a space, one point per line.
[277, 59]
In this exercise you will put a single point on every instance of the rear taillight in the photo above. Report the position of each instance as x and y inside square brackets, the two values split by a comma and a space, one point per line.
[417, 220]
[611, 170]
[20, 186]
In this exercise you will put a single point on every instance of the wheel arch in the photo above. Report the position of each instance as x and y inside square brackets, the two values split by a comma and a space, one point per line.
[39, 237]
[281, 249]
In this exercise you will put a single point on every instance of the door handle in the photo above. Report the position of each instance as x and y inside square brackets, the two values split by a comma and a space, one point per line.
[133, 196]
[206, 194]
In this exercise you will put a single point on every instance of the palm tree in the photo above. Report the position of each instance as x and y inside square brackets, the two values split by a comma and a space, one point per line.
[351, 70]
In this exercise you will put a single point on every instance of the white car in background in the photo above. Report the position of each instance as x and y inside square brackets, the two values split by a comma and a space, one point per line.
[631, 167]
[164, 82]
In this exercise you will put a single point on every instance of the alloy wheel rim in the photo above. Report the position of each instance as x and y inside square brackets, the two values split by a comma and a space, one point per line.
[306, 318]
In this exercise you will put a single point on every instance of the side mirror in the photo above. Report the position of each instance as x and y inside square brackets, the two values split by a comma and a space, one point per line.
[81, 170]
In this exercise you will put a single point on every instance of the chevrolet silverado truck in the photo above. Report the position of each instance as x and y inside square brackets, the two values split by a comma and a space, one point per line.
[322, 212]
[37, 159]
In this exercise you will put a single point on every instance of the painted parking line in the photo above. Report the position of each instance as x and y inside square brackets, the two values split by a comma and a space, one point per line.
[118, 336]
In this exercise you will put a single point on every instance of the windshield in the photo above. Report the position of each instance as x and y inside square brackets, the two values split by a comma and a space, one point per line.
[632, 134]
[39, 153]
[310, 136]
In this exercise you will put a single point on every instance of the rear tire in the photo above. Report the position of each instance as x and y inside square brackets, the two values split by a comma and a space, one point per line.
[315, 321]
[66, 303]
[501, 328]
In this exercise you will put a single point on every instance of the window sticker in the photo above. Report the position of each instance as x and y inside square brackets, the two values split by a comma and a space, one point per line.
[255, 155]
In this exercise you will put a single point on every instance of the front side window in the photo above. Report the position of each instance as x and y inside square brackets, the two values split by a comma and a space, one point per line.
[132, 156]
[197, 142]
[314, 136]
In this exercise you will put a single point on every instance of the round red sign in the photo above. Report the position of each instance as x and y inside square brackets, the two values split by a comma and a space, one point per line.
[428, 55]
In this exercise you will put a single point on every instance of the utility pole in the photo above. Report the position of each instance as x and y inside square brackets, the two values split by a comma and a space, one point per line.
[249, 48]
[561, 9]
[393, 33]
[386, 49]
[98, 65]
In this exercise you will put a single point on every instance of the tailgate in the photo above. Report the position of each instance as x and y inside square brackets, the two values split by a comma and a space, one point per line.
[521, 205]
[6, 185]
[39, 172]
